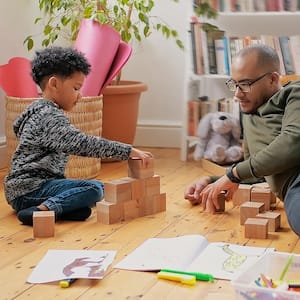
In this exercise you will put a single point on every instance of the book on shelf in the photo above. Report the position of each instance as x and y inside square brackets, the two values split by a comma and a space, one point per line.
[211, 36]
[193, 253]
[286, 52]
[197, 47]
[295, 49]
[222, 56]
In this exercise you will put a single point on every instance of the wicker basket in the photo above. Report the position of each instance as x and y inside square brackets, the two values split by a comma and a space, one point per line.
[86, 116]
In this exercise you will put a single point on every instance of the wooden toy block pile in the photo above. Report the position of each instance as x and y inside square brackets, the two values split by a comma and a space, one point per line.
[131, 197]
[255, 202]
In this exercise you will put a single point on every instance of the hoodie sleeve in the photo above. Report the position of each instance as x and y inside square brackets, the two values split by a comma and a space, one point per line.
[51, 130]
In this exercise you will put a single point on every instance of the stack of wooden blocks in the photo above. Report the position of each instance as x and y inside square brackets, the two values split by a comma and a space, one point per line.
[255, 202]
[131, 197]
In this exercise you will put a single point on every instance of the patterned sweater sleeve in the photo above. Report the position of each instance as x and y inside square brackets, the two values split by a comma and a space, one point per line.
[57, 134]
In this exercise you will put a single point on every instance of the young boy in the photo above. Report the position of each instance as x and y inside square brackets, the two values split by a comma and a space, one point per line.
[36, 178]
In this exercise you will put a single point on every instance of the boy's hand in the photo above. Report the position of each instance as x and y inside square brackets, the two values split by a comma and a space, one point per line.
[145, 156]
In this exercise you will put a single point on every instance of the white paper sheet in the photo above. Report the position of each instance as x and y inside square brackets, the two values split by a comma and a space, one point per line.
[62, 264]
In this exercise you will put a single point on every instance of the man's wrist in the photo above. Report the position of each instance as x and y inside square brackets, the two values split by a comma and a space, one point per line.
[233, 177]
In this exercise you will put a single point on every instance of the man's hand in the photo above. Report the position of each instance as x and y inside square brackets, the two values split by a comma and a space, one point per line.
[192, 192]
[209, 195]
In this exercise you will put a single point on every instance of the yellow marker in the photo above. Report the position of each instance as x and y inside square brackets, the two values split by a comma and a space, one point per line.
[66, 282]
[182, 278]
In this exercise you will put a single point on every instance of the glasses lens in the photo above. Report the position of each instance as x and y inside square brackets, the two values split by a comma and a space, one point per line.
[231, 85]
[245, 87]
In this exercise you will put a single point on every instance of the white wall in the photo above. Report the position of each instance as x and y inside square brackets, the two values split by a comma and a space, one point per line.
[157, 61]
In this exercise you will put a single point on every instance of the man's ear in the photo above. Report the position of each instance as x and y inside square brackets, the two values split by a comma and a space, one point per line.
[275, 77]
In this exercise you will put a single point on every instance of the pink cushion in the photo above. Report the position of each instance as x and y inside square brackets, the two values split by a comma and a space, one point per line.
[16, 80]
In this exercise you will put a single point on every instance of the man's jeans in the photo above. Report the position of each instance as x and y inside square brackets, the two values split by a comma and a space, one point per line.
[63, 195]
[292, 205]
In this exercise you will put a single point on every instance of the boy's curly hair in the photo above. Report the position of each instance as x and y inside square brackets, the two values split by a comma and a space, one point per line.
[60, 61]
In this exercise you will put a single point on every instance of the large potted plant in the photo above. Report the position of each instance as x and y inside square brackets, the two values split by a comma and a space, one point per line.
[134, 22]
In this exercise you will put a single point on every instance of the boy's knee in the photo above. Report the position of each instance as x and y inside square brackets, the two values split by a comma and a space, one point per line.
[98, 187]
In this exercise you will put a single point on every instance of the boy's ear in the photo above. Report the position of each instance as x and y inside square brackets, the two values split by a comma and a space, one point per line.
[52, 82]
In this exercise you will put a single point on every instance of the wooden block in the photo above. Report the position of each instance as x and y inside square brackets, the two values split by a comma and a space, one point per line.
[109, 213]
[262, 195]
[138, 187]
[149, 205]
[273, 218]
[43, 223]
[250, 210]
[221, 200]
[243, 194]
[160, 202]
[265, 185]
[256, 228]
[131, 210]
[117, 191]
[262, 185]
[142, 204]
[137, 170]
[153, 185]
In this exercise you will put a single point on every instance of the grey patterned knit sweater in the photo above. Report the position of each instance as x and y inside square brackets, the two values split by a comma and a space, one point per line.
[46, 139]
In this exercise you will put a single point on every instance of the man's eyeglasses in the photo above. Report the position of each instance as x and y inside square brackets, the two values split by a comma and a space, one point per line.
[244, 86]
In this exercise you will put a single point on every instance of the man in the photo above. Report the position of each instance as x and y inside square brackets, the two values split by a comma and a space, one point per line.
[271, 125]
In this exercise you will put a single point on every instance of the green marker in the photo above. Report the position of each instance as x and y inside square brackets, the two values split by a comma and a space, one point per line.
[199, 276]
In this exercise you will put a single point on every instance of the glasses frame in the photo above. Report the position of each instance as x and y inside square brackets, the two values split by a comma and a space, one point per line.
[249, 83]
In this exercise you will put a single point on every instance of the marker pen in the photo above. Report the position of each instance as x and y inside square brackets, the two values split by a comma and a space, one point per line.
[65, 283]
[199, 276]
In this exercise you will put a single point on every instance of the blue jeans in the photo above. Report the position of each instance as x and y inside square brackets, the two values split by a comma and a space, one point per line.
[63, 195]
[292, 205]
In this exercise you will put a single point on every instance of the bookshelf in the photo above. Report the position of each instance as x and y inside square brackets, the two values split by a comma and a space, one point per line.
[238, 24]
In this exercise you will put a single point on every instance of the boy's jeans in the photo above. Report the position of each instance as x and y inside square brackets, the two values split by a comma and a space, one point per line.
[63, 195]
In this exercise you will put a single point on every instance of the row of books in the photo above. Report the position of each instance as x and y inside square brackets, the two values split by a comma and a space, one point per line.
[251, 5]
[197, 108]
[212, 51]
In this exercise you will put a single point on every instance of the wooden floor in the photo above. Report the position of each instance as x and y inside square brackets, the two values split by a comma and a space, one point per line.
[19, 252]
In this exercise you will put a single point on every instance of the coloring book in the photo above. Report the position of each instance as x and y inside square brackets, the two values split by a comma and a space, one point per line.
[192, 253]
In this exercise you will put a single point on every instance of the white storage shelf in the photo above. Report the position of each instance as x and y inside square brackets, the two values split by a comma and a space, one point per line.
[236, 24]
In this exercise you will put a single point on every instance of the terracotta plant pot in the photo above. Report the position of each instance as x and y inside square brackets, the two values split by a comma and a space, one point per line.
[120, 110]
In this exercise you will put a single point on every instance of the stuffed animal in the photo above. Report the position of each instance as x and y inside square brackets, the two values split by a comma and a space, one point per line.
[219, 134]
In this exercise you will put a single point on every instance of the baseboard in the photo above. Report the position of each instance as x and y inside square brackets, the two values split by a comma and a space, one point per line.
[3, 153]
[166, 135]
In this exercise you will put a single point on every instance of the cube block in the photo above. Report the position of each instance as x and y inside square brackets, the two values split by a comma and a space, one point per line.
[256, 228]
[250, 210]
[136, 169]
[273, 218]
[109, 213]
[262, 195]
[242, 194]
[117, 191]
[221, 201]
[43, 223]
